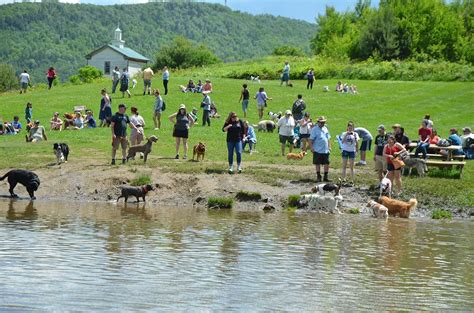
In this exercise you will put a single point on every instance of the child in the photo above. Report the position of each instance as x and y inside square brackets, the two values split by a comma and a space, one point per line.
[193, 115]
[29, 112]
[16, 124]
[250, 137]
[214, 113]
[349, 150]
[89, 120]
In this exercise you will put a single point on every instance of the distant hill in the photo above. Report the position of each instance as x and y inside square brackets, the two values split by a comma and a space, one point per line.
[36, 36]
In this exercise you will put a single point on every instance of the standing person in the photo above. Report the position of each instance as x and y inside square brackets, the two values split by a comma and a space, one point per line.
[136, 134]
[24, 81]
[366, 145]
[244, 97]
[310, 78]
[206, 109]
[105, 113]
[119, 132]
[262, 98]
[115, 78]
[51, 76]
[427, 118]
[182, 122]
[285, 76]
[147, 76]
[29, 112]
[424, 134]
[389, 152]
[286, 126]
[157, 110]
[305, 130]
[36, 133]
[166, 78]
[400, 136]
[349, 150]
[321, 148]
[235, 133]
[298, 108]
[124, 82]
[380, 142]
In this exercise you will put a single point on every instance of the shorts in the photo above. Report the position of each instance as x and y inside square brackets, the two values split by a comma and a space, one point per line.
[391, 167]
[180, 133]
[348, 154]
[119, 141]
[380, 163]
[320, 158]
[147, 83]
[260, 106]
[366, 145]
[284, 139]
[245, 104]
[285, 77]
[24, 85]
[304, 136]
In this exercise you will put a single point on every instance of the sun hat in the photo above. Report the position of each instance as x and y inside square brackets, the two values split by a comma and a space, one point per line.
[321, 119]
[381, 126]
[182, 106]
[288, 112]
[396, 126]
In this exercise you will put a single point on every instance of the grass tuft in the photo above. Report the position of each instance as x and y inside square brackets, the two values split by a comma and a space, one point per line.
[354, 211]
[444, 173]
[441, 214]
[293, 200]
[142, 179]
[220, 203]
[248, 196]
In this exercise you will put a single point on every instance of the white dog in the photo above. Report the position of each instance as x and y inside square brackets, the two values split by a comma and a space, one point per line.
[274, 116]
[255, 79]
[386, 186]
[378, 210]
[321, 203]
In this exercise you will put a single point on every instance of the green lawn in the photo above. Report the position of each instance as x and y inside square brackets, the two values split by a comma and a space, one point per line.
[387, 102]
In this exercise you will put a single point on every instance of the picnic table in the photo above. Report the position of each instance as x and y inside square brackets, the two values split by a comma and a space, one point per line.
[443, 161]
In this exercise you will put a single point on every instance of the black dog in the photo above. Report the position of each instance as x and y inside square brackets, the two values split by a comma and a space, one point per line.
[62, 151]
[28, 179]
[138, 192]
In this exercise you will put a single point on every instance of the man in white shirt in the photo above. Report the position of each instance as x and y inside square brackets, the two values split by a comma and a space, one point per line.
[286, 126]
[24, 81]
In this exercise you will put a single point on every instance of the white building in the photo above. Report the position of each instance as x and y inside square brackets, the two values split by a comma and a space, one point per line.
[107, 57]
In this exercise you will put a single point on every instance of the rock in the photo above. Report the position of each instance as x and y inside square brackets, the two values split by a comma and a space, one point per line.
[199, 199]
[268, 208]
[265, 200]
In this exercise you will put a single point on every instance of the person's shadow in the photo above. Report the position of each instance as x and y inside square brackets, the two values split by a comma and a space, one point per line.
[30, 213]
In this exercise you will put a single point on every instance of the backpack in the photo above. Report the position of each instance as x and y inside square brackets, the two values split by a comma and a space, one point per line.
[443, 143]
[469, 142]
[163, 106]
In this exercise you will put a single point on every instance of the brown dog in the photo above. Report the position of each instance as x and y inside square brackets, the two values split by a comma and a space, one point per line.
[199, 150]
[296, 156]
[401, 208]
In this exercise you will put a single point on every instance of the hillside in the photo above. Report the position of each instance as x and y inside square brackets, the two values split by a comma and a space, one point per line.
[38, 35]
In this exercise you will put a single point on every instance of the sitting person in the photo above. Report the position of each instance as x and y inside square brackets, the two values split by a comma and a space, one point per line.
[56, 123]
[37, 133]
[468, 143]
[424, 134]
[16, 124]
[213, 113]
[207, 88]
[191, 87]
[199, 87]
[434, 139]
[339, 87]
[345, 88]
[8, 129]
[455, 140]
[353, 89]
[249, 138]
[193, 115]
[89, 120]
[78, 121]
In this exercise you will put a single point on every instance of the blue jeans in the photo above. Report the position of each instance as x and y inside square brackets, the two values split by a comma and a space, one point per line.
[422, 147]
[238, 151]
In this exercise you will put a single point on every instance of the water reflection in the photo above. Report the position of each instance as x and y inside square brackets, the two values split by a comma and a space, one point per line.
[134, 257]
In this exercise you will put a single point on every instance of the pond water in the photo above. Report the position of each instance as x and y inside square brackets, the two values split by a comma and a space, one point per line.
[89, 257]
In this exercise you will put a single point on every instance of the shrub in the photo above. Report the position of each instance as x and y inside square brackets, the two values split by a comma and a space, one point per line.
[75, 80]
[220, 203]
[441, 214]
[248, 196]
[8, 79]
[293, 200]
[288, 50]
[88, 73]
[141, 180]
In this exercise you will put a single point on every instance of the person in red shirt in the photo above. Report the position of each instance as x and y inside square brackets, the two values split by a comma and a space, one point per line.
[51, 76]
[390, 151]
[424, 139]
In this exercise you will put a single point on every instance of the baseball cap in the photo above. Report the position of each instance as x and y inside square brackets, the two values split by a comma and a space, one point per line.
[381, 126]
[396, 126]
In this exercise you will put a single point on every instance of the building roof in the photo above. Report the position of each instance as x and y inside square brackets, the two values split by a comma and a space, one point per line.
[127, 52]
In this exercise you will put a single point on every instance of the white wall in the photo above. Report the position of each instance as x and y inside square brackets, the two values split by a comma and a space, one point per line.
[116, 59]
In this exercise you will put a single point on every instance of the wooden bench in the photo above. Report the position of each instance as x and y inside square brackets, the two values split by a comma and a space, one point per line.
[442, 157]
[446, 164]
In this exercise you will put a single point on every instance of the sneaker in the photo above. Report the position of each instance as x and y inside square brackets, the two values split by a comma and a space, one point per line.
[239, 170]
[231, 170]
[185, 157]
[156, 128]
[361, 163]
[113, 162]
[177, 157]
[124, 161]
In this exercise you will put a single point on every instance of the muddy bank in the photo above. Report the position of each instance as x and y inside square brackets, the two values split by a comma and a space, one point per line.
[99, 182]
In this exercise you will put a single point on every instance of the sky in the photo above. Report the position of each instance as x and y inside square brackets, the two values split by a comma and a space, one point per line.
[299, 9]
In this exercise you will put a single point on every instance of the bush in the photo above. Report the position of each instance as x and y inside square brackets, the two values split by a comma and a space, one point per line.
[141, 180]
[441, 214]
[88, 74]
[293, 200]
[289, 51]
[182, 53]
[220, 203]
[248, 196]
[8, 79]
[75, 80]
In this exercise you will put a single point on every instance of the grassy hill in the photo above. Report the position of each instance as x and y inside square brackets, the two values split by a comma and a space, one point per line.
[386, 102]
[39, 35]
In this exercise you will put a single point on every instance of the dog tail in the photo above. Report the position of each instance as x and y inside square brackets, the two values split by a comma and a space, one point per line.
[4, 176]
[413, 203]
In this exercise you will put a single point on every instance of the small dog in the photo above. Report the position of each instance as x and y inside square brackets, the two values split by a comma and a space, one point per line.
[144, 148]
[296, 156]
[274, 116]
[328, 187]
[401, 208]
[62, 152]
[378, 210]
[199, 150]
[386, 186]
[138, 192]
[255, 79]
[266, 126]
[27, 178]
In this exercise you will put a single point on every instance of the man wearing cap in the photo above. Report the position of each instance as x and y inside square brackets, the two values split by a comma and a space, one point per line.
[286, 125]
[455, 140]
[380, 142]
[37, 133]
[321, 147]
[468, 142]
[119, 132]
[400, 136]
[366, 138]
